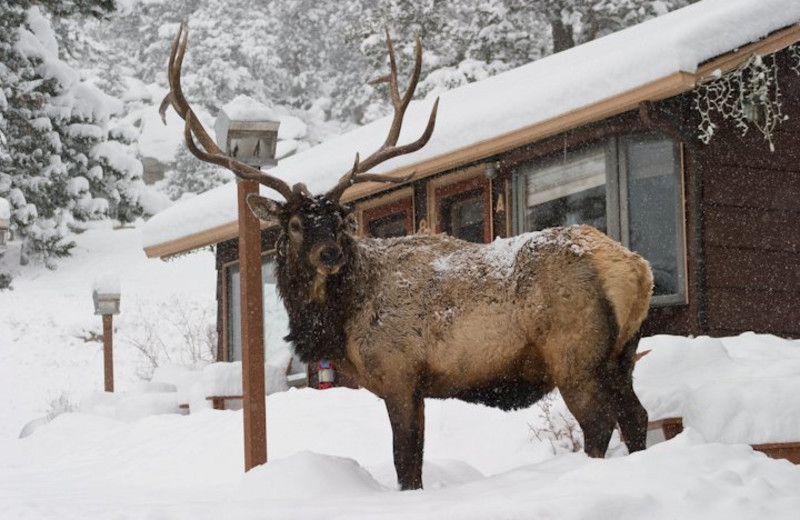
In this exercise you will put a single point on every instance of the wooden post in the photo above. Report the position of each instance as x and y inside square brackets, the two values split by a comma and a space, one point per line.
[108, 360]
[252, 322]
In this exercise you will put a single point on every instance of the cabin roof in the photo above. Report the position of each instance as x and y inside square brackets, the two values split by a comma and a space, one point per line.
[657, 59]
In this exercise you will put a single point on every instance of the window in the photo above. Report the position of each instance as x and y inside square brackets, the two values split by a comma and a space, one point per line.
[567, 192]
[652, 215]
[388, 216]
[276, 320]
[463, 208]
[630, 188]
[463, 215]
[391, 225]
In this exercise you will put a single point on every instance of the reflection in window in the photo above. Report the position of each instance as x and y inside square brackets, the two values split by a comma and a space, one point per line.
[567, 192]
[276, 320]
[391, 225]
[632, 182]
[392, 216]
[463, 215]
[653, 196]
[583, 207]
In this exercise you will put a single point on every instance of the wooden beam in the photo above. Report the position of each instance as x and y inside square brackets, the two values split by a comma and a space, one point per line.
[108, 352]
[670, 426]
[252, 323]
[193, 241]
[780, 450]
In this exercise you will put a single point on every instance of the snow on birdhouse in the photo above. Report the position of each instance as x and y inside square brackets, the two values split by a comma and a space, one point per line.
[247, 130]
[106, 294]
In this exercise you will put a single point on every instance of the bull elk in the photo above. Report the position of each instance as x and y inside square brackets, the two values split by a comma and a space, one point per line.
[408, 318]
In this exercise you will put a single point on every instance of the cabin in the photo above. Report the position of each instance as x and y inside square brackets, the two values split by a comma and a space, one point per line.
[678, 137]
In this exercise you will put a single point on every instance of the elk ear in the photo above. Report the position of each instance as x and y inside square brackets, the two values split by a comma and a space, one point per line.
[350, 222]
[266, 209]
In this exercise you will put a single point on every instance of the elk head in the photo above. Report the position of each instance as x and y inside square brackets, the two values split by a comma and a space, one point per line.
[313, 227]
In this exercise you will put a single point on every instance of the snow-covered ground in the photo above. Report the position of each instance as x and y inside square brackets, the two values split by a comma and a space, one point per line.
[330, 451]
[46, 320]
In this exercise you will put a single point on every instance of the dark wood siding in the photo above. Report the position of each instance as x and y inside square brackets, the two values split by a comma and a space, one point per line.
[751, 206]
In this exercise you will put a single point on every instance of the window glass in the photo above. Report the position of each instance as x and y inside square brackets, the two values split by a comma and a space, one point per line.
[629, 188]
[234, 314]
[391, 225]
[653, 207]
[568, 191]
[276, 320]
[463, 215]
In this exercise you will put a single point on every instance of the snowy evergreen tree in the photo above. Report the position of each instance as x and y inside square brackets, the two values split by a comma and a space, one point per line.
[32, 174]
[61, 167]
[192, 176]
[573, 22]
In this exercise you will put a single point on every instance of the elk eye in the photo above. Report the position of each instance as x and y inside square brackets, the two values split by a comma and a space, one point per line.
[295, 227]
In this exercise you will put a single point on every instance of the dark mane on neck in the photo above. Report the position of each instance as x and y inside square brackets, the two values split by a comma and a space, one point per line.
[317, 329]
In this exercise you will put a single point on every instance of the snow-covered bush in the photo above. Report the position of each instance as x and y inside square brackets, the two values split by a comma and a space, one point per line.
[60, 404]
[172, 331]
[556, 426]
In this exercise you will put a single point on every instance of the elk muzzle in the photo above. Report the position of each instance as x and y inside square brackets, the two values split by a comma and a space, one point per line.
[327, 258]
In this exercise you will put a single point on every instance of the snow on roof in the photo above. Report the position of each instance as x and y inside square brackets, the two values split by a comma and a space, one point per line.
[545, 89]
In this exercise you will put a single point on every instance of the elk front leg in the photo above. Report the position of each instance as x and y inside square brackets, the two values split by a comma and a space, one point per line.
[407, 417]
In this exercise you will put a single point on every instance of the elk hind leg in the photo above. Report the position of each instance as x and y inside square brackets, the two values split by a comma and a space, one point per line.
[631, 415]
[407, 418]
[590, 403]
[585, 386]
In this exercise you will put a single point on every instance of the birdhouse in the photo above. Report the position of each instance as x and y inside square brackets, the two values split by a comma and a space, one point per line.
[248, 131]
[106, 294]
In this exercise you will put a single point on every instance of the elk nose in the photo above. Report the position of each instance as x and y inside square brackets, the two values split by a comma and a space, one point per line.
[331, 256]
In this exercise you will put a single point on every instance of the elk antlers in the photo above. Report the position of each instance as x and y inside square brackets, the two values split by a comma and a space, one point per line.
[389, 148]
[208, 151]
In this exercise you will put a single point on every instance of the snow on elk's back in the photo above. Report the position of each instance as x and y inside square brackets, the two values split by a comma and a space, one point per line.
[498, 258]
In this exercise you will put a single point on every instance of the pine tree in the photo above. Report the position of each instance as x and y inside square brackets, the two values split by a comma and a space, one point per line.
[33, 168]
[192, 176]
[61, 165]
[573, 22]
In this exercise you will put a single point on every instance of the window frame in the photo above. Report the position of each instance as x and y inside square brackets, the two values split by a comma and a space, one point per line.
[397, 201]
[520, 186]
[226, 353]
[617, 210]
[451, 185]
[621, 142]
